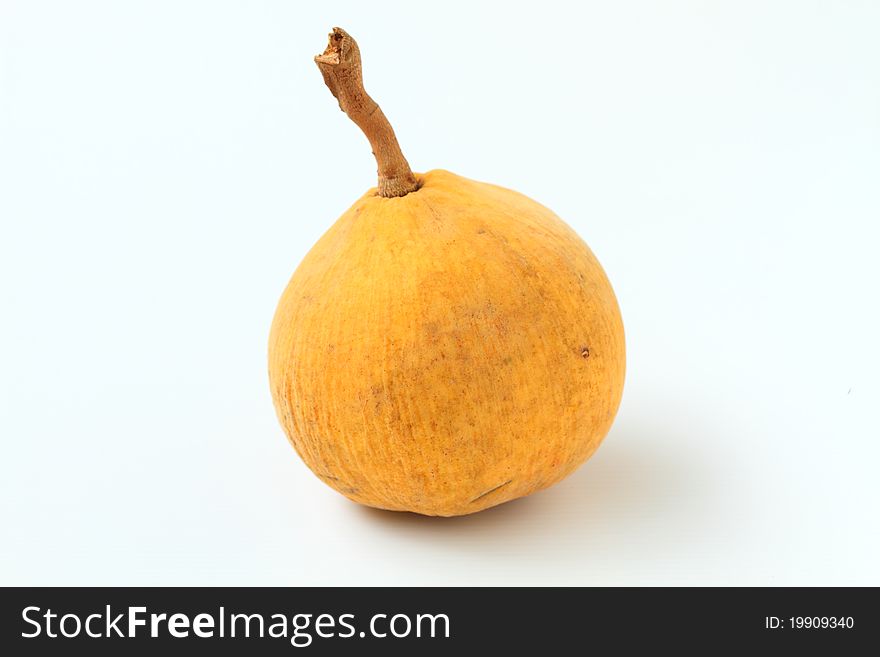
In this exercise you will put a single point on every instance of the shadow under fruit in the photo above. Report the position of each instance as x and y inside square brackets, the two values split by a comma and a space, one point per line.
[447, 345]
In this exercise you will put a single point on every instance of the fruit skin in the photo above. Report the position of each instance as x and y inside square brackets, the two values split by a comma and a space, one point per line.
[446, 351]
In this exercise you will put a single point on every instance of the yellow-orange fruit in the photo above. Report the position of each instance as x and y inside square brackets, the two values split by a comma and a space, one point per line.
[447, 350]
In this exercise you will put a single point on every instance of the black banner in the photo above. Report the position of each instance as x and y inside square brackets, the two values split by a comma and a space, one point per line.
[335, 621]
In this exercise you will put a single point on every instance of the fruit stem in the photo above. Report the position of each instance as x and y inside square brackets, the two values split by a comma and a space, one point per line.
[340, 64]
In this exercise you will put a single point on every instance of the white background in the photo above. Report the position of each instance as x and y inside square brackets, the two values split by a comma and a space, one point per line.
[165, 165]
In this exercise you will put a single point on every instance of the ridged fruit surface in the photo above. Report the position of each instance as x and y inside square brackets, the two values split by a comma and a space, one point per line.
[447, 350]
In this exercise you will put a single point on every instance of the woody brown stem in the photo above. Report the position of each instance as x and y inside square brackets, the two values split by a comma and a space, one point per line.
[340, 64]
